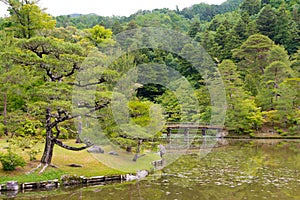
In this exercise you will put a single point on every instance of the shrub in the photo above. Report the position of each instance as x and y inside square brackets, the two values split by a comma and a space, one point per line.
[30, 127]
[284, 134]
[293, 130]
[2, 127]
[279, 131]
[11, 160]
[27, 144]
[33, 153]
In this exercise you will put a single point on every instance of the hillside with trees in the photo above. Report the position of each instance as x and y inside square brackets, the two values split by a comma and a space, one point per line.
[254, 43]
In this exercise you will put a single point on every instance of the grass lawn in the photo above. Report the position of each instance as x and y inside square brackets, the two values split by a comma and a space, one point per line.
[110, 165]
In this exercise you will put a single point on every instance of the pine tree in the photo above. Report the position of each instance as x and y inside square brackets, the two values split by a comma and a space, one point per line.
[286, 30]
[253, 53]
[266, 21]
[253, 59]
[275, 73]
[240, 30]
[251, 6]
[242, 113]
[194, 29]
[252, 28]
[209, 44]
[117, 28]
[296, 63]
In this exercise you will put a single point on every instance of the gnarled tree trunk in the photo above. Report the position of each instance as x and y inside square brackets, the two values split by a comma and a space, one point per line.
[49, 144]
[52, 140]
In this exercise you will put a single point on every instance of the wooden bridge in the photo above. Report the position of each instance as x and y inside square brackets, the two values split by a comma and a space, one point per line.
[186, 135]
[187, 126]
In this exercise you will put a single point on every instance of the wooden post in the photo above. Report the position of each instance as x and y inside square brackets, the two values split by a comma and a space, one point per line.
[169, 135]
[186, 137]
[204, 132]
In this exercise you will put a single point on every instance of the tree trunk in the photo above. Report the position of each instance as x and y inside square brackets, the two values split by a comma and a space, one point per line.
[136, 156]
[51, 140]
[78, 140]
[48, 151]
[5, 114]
[129, 149]
[49, 145]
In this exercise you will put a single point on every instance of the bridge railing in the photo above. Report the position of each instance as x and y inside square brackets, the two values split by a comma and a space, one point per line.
[185, 123]
[176, 125]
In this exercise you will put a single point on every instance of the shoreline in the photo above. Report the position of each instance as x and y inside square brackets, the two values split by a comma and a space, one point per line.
[11, 189]
[263, 137]
[74, 180]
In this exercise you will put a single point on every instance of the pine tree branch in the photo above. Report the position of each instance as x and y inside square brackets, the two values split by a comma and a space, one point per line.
[101, 80]
[61, 144]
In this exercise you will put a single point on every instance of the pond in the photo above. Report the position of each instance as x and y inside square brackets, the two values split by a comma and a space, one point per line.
[241, 169]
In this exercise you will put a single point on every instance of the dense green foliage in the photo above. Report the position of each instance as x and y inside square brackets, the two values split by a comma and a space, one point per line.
[11, 160]
[255, 43]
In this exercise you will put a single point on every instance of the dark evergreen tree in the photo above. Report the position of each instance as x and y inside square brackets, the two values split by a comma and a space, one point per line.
[194, 29]
[132, 25]
[117, 28]
[240, 30]
[251, 6]
[214, 24]
[265, 2]
[221, 36]
[266, 21]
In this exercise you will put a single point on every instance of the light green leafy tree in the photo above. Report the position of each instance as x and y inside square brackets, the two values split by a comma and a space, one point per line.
[100, 36]
[15, 81]
[28, 19]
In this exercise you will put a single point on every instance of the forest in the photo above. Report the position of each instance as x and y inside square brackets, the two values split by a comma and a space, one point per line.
[254, 43]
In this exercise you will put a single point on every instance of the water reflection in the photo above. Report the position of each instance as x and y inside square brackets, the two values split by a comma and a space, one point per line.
[248, 169]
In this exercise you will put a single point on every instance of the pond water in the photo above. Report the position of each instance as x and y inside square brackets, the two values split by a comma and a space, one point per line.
[242, 169]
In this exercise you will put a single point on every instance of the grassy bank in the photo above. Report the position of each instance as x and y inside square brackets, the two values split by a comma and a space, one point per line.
[91, 165]
[262, 136]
